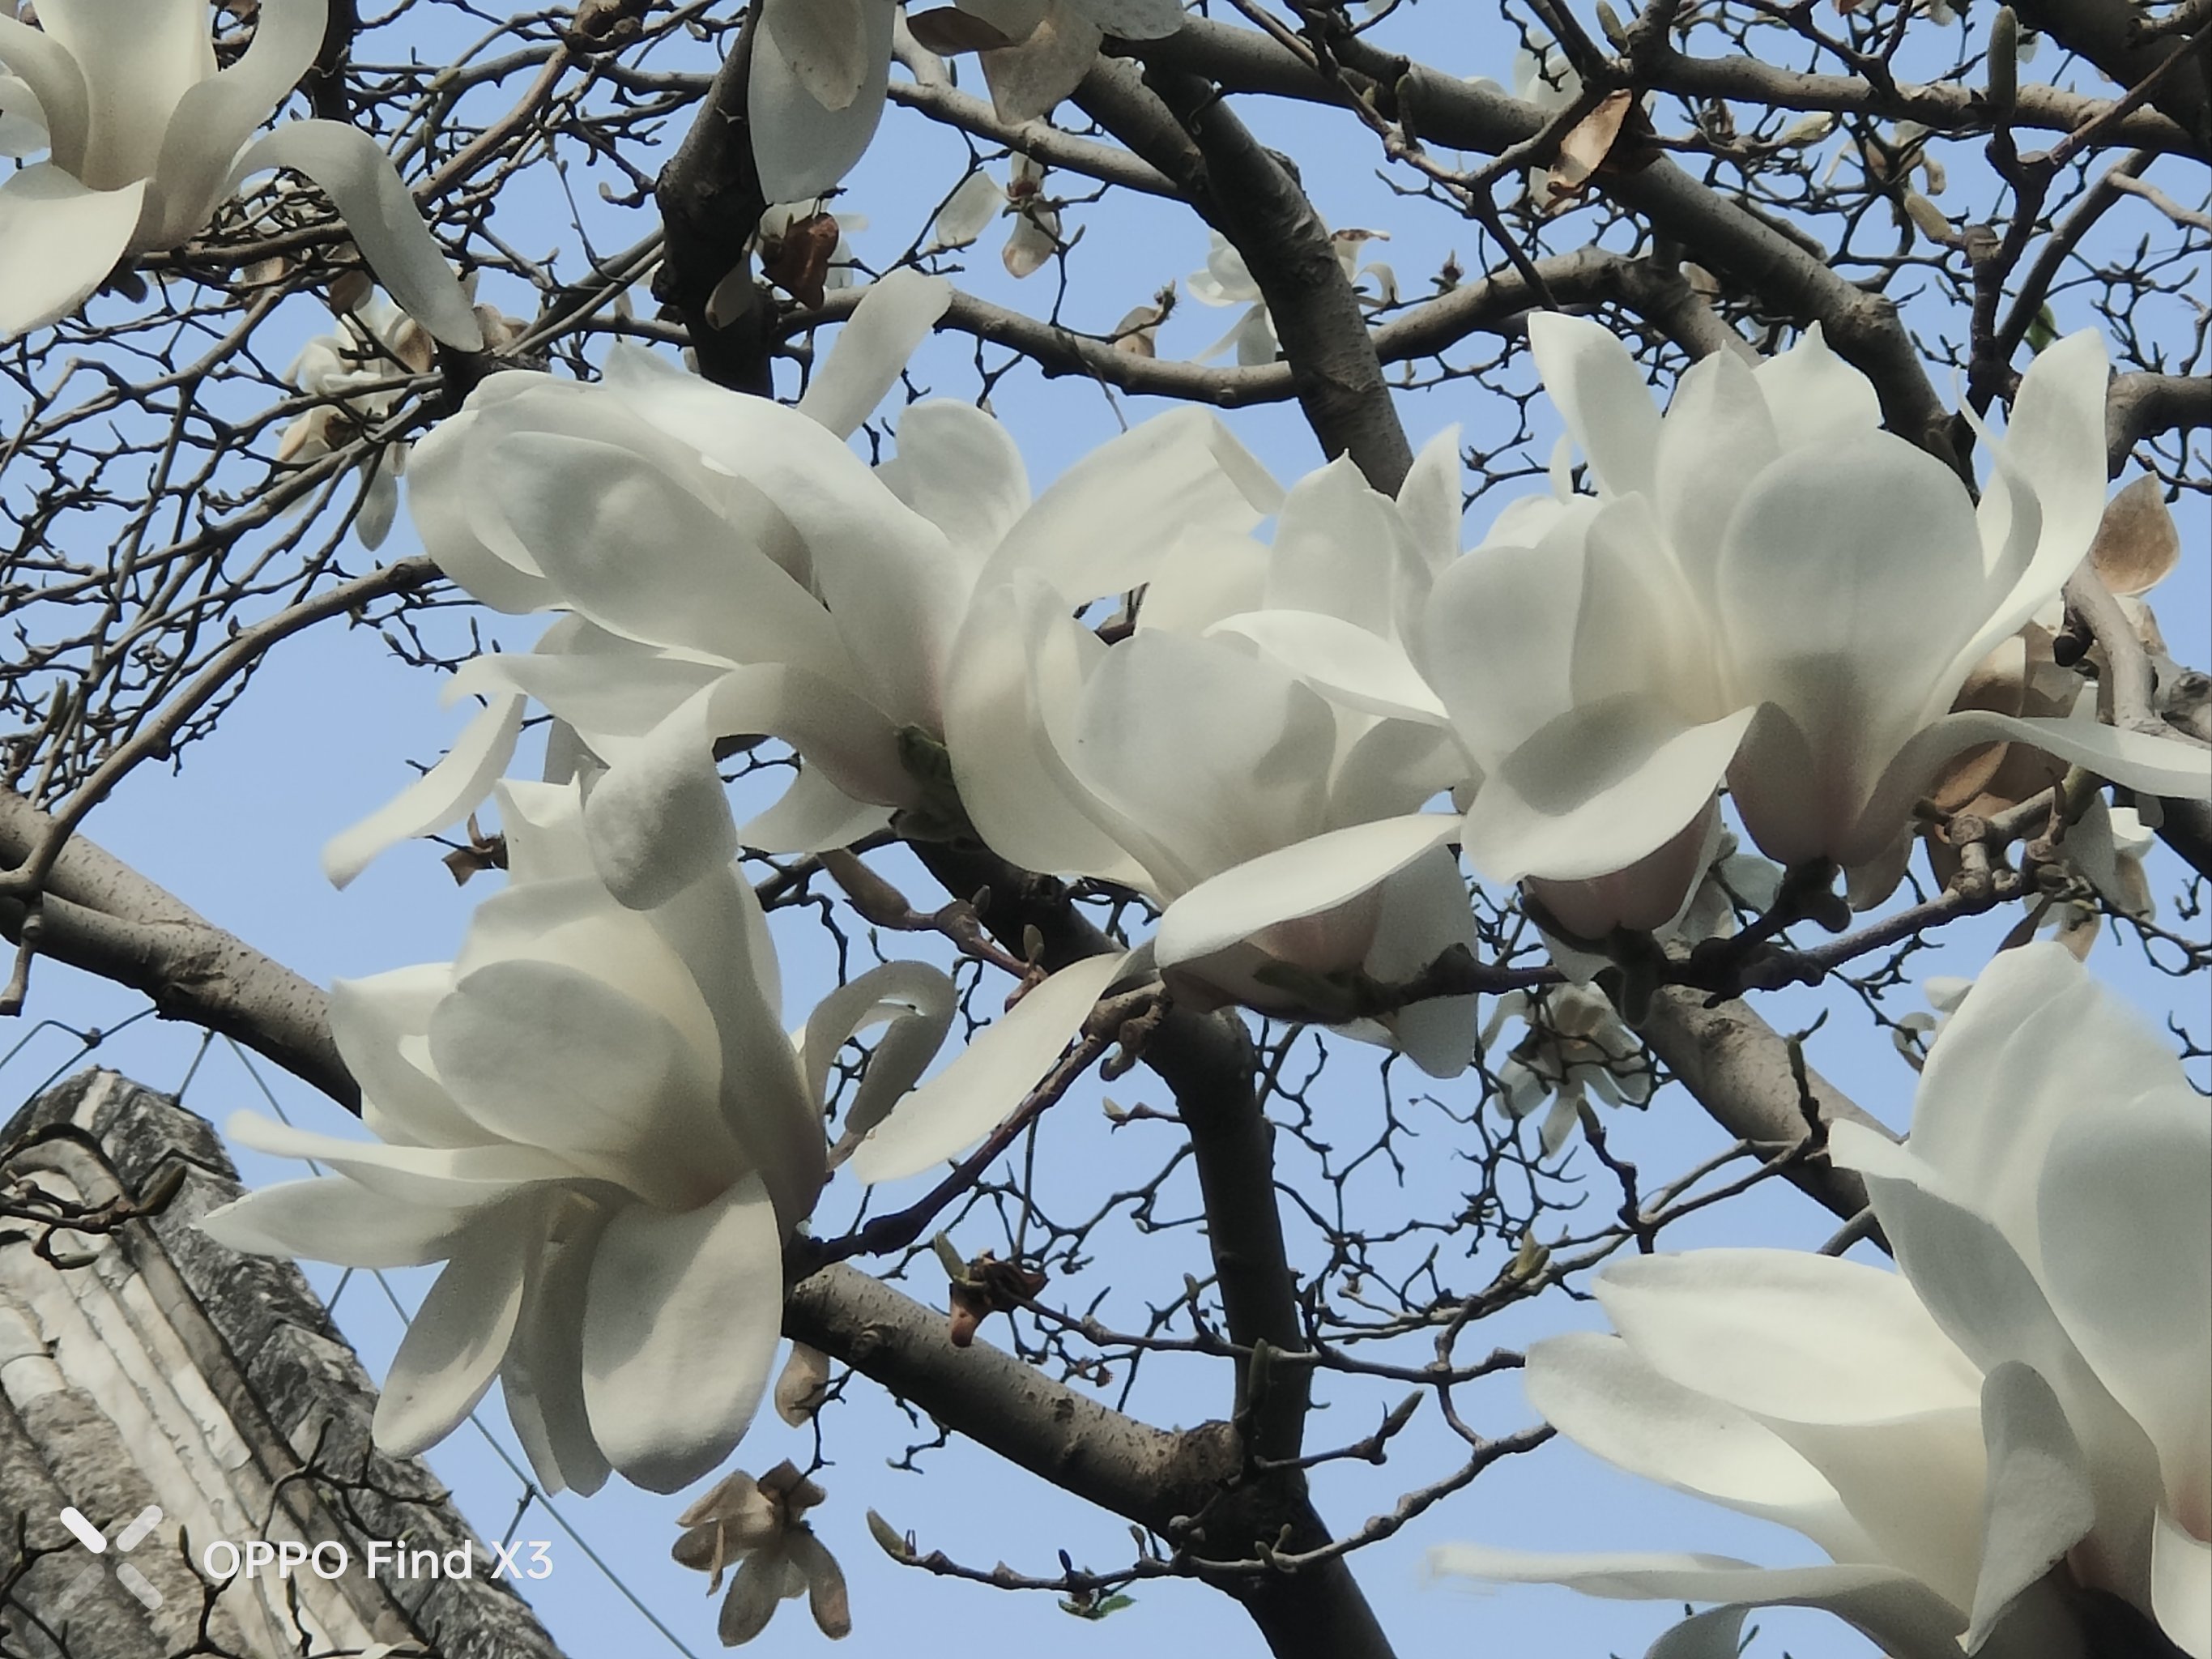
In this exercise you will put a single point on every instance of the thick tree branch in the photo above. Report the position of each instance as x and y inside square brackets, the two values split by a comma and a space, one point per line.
[1251, 196]
[2142, 406]
[2109, 33]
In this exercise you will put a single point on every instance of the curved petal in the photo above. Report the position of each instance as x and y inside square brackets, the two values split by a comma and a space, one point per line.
[1337, 550]
[44, 64]
[989, 1077]
[960, 468]
[379, 215]
[219, 114]
[371, 1020]
[870, 353]
[2038, 1504]
[800, 147]
[1342, 660]
[543, 1379]
[442, 797]
[458, 1338]
[1030, 77]
[448, 506]
[1718, 1634]
[916, 999]
[330, 1219]
[681, 1322]
[58, 242]
[1424, 913]
[1596, 790]
[139, 61]
[460, 1177]
[1303, 879]
[967, 213]
[1595, 1390]
[1602, 395]
[2055, 440]
[812, 816]
[1909, 1619]
[2181, 1588]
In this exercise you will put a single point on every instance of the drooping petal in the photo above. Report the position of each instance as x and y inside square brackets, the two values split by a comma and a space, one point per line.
[683, 1315]
[1597, 790]
[58, 242]
[915, 1000]
[989, 1079]
[370, 1020]
[1602, 395]
[800, 147]
[379, 215]
[871, 351]
[456, 1340]
[466, 1178]
[330, 1219]
[1424, 913]
[543, 1379]
[441, 797]
[1303, 879]
[57, 81]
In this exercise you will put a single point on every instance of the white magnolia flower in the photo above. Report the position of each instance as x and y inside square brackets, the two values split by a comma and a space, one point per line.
[980, 198]
[820, 68]
[2006, 1447]
[1573, 1044]
[147, 138]
[1183, 751]
[755, 1526]
[730, 566]
[1228, 281]
[594, 1119]
[1913, 1033]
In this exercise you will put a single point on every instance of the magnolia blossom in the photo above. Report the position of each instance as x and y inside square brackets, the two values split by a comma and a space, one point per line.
[755, 1526]
[1228, 281]
[729, 567]
[1574, 1044]
[1183, 751]
[359, 369]
[2006, 1446]
[146, 138]
[820, 69]
[980, 198]
[594, 1119]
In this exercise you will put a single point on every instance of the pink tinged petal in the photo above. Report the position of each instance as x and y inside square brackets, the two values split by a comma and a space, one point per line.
[2038, 1504]
[1817, 400]
[140, 60]
[219, 113]
[2124, 1210]
[1342, 660]
[1909, 1619]
[1647, 896]
[45, 65]
[961, 469]
[459, 1336]
[543, 1379]
[1596, 1390]
[330, 1219]
[438, 800]
[2181, 1588]
[1303, 879]
[370, 1020]
[381, 217]
[1213, 794]
[715, 927]
[631, 549]
[1602, 395]
[549, 1056]
[681, 1322]
[894, 316]
[989, 1079]
[58, 242]
[1718, 437]
[824, 45]
[1016, 682]
[1597, 790]
[1789, 1335]
[1105, 523]
[800, 147]
[1134, 20]
[913, 999]
[1847, 576]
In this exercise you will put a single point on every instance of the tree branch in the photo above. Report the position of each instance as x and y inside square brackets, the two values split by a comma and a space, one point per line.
[2140, 406]
[2111, 35]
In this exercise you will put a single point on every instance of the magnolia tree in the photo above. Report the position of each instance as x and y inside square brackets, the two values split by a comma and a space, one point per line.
[1709, 574]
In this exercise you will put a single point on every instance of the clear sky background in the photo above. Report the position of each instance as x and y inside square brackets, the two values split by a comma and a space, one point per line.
[324, 734]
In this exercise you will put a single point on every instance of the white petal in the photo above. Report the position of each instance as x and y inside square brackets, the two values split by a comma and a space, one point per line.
[894, 316]
[370, 1020]
[441, 797]
[824, 45]
[1714, 1635]
[1424, 913]
[217, 115]
[967, 212]
[2037, 1505]
[1718, 435]
[2181, 1588]
[1303, 879]
[812, 816]
[56, 82]
[544, 1376]
[1337, 550]
[140, 60]
[1602, 395]
[1027, 80]
[1342, 660]
[801, 148]
[329, 1219]
[960, 468]
[989, 1079]
[915, 999]
[379, 215]
[456, 1340]
[471, 1177]
[451, 513]
[1816, 398]
[58, 242]
[680, 1331]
